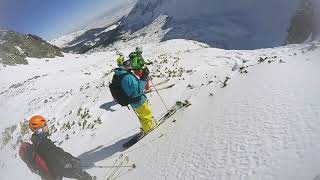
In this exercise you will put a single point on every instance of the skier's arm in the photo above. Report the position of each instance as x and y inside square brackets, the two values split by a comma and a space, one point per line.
[53, 153]
[148, 63]
[142, 60]
[142, 85]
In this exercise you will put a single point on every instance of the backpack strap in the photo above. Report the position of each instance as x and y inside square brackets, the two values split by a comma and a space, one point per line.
[132, 55]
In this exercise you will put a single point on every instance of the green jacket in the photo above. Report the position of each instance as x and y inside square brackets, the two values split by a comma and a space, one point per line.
[137, 61]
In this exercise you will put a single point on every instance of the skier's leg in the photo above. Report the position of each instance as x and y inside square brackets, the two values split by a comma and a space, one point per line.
[145, 117]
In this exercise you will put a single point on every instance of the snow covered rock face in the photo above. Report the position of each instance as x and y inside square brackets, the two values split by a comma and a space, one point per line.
[92, 38]
[233, 24]
[15, 47]
[305, 24]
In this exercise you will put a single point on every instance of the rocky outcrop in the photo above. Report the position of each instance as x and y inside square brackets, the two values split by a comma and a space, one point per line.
[16, 47]
[304, 24]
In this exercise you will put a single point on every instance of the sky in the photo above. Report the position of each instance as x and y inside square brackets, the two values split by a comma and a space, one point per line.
[51, 18]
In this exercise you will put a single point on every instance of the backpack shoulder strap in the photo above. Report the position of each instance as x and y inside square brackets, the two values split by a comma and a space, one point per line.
[119, 77]
[132, 55]
[125, 74]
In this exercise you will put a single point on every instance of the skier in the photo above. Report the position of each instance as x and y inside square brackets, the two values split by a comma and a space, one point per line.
[60, 163]
[127, 89]
[137, 63]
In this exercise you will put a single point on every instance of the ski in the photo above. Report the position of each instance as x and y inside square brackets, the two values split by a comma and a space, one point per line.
[161, 88]
[140, 135]
[160, 83]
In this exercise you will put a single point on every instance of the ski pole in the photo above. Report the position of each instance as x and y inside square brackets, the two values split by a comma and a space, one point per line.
[159, 94]
[132, 166]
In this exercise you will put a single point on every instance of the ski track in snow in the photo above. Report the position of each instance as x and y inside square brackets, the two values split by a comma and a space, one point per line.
[262, 125]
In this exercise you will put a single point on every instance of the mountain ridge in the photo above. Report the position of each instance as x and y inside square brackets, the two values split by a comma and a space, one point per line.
[16, 47]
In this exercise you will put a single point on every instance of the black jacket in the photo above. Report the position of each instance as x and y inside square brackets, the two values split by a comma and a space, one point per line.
[55, 157]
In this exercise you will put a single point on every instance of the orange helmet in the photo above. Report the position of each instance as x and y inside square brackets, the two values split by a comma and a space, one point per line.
[37, 122]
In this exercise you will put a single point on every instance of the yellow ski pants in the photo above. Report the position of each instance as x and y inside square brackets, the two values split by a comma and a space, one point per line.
[145, 117]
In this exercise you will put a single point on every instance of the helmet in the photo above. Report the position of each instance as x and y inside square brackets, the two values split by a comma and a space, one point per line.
[120, 60]
[139, 49]
[37, 122]
[119, 53]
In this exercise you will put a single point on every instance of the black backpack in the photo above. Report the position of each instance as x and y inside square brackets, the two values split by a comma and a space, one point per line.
[118, 93]
[34, 161]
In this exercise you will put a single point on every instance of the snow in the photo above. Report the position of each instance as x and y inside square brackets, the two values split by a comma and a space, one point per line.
[108, 29]
[263, 125]
[79, 42]
[20, 50]
[63, 41]
[90, 43]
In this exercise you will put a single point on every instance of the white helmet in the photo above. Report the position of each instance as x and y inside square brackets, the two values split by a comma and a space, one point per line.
[139, 49]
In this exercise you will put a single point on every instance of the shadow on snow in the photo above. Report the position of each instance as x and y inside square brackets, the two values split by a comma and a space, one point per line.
[100, 153]
[107, 106]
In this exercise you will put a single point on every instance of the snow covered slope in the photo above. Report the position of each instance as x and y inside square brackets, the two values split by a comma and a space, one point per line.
[64, 40]
[254, 114]
[246, 24]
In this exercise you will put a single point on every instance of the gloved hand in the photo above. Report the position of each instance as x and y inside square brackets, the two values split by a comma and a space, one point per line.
[74, 163]
[36, 171]
[145, 74]
[149, 63]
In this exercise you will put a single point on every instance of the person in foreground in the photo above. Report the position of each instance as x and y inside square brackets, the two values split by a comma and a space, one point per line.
[47, 160]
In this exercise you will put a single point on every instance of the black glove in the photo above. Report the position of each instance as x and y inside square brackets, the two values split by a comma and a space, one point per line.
[74, 163]
[145, 74]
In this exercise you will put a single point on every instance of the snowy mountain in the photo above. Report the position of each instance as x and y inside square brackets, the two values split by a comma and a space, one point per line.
[92, 38]
[98, 33]
[16, 47]
[244, 24]
[254, 114]
[225, 24]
